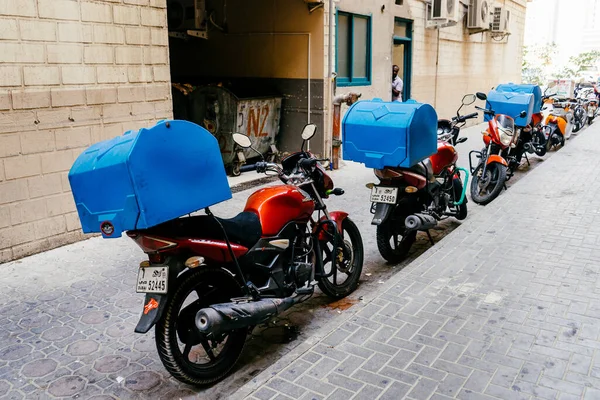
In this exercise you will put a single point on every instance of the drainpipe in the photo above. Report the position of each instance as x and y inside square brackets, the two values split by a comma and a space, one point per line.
[336, 143]
[330, 78]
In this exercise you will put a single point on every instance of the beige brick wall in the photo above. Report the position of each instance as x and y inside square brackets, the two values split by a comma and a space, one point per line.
[465, 63]
[72, 72]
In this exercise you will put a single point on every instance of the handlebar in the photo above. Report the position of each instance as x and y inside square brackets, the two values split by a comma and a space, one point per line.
[486, 111]
[463, 118]
[246, 168]
[307, 163]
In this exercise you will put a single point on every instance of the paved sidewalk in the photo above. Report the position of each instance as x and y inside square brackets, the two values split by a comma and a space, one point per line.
[506, 307]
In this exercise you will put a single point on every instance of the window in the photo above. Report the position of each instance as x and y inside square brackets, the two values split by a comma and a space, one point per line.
[353, 49]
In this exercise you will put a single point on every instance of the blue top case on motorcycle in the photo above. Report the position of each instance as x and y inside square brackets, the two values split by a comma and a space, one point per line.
[535, 90]
[511, 104]
[147, 177]
[389, 134]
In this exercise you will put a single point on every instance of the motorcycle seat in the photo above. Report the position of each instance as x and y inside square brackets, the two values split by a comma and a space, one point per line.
[426, 170]
[244, 229]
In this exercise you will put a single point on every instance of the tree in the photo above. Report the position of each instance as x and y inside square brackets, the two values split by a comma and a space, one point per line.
[583, 61]
[537, 63]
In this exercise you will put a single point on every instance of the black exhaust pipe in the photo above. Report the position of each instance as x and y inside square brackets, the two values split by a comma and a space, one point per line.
[225, 317]
[420, 222]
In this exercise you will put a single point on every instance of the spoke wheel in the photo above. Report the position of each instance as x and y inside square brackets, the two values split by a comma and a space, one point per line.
[187, 354]
[349, 262]
[486, 187]
[393, 242]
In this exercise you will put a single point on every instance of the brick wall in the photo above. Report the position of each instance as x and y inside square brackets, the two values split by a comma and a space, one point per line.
[72, 73]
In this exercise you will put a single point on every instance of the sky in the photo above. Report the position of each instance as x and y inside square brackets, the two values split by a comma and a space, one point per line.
[574, 25]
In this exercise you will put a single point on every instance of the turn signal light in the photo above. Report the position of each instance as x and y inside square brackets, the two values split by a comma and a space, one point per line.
[194, 262]
[410, 189]
[370, 185]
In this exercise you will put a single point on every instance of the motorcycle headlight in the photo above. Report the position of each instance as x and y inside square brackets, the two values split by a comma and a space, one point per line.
[506, 136]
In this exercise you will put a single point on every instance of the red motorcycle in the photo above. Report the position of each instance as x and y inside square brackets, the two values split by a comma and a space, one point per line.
[408, 200]
[226, 276]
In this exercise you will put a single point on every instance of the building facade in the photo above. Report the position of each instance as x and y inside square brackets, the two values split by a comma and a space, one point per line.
[75, 72]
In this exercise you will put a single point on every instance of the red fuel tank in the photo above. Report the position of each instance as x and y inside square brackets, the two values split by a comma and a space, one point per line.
[278, 205]
[445, 156]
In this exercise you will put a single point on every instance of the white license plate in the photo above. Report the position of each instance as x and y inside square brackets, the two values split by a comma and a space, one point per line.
[382, 194]
[152, 279]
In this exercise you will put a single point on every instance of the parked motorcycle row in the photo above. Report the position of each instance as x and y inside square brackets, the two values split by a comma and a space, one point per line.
[209, 281]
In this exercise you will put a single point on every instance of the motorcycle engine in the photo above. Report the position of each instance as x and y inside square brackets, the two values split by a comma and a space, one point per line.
[301, 271]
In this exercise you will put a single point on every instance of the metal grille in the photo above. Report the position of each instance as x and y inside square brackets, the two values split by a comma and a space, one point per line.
[497, 19]
[473, 14]
[437, 9]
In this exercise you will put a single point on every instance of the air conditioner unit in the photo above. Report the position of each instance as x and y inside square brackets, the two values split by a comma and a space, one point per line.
[478, 16]
[183, 15]
[431, 23]
[448, 10]
[500, 20]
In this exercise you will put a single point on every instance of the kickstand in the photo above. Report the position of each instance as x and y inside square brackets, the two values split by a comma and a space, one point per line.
[505, 188]
[430, 238]
[527, 158]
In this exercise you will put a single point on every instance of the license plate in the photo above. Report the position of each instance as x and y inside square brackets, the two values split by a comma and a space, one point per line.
[382, 194]
[152, 279]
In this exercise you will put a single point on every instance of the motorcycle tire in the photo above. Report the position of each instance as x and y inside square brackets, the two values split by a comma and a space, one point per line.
[590, 120]
[214, 285]
[461, 209]
[539, 138]
[387, 232]
[351, 262]
[495, 169]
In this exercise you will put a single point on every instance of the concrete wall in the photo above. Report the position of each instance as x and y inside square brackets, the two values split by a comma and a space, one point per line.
[72, 73]
[266, 41]
[463, 64]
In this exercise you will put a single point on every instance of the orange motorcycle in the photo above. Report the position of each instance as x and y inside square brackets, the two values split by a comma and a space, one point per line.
[496, 160]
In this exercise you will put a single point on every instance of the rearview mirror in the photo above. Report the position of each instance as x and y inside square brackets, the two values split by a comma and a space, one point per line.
[461, 140]
[309, 131]
[481, 96]
[468, 99]
[242, 140]
[551, 84]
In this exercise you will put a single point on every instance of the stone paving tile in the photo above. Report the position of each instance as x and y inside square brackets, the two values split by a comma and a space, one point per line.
[505, 307]
[506, 318]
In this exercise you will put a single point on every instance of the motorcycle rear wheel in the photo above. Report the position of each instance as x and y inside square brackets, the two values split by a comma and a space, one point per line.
[350, 257]
[496, 175]
[393, 242]
[177, 328]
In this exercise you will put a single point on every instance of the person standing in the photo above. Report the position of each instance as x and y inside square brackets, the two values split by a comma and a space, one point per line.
[397, 84]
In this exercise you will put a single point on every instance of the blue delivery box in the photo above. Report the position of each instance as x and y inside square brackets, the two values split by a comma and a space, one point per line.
[523, 88]
[147, 177]
[389, 134]
[511, 104]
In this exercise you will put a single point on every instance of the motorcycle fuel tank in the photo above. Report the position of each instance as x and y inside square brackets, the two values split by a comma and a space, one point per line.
[278, 205]
[446, 155]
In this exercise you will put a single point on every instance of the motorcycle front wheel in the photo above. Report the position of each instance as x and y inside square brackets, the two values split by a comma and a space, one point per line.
[393, 242]
[485, 189]
[349, 262]
[188, 355]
